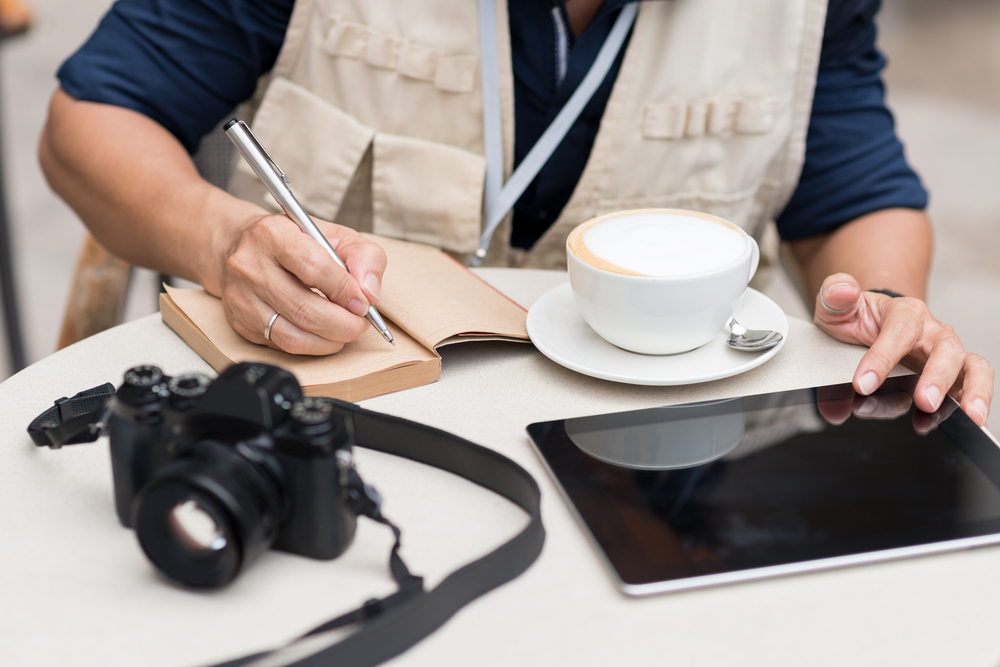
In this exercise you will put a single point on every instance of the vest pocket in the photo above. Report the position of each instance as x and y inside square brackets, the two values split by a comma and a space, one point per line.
[420, 190]
[317, 145]
[427, 192]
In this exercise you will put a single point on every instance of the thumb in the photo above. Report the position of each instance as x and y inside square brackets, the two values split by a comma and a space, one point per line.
[838, 299]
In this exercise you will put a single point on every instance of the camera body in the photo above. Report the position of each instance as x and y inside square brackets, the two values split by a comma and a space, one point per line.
[212, 473]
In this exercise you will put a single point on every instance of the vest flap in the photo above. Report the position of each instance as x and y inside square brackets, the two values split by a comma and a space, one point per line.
[450, 72]
[290, 123]
[427, 192]
[679, 119]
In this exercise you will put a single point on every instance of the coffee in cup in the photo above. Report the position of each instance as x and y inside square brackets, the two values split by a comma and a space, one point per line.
[659, 281]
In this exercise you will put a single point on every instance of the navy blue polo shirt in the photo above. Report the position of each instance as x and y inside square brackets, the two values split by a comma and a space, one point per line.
[188, 63]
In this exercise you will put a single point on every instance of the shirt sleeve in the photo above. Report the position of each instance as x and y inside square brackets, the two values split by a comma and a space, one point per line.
[854, 163]
[183, 63]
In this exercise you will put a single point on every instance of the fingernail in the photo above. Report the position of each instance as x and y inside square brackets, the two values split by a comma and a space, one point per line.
[979, 405]
[836, 287]
[357, 307]
[933, 395]
[373, 285]
[868, 382]
[867, 407]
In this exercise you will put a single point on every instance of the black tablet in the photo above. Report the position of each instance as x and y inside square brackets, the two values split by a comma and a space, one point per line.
[747, 488]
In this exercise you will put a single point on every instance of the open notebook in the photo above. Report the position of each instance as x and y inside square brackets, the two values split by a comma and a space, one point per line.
[428, 300]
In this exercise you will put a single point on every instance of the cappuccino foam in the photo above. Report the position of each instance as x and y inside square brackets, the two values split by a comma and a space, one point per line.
[658, 244]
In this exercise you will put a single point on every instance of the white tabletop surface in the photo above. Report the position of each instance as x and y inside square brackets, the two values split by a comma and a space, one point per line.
[76, 589]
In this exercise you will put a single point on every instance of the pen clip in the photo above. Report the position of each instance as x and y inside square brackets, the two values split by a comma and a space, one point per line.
[264, 151]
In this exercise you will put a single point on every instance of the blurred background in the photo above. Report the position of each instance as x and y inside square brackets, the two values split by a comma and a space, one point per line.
[943, 83]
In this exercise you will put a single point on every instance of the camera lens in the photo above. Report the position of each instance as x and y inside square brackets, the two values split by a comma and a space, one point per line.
[205, 516]
[188, 553]
[194, 528]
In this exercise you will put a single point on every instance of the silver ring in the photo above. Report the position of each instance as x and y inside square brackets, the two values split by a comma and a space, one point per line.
[267, 329]
[835, 312]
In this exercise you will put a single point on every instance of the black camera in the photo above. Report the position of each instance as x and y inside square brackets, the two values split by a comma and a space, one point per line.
[209, 474]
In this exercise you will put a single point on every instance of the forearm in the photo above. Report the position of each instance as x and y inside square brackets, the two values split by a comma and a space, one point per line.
[888, 249]
[136, 188]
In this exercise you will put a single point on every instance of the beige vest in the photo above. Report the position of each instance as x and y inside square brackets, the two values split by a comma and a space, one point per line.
[374, 110]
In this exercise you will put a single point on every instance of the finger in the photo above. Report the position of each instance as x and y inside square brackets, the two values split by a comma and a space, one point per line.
[943, 365]
[835, 411]
[249, 305]
[882, 406]
[834, 403]
[897, 338]
[312, 312]
[289, 338]
[924, 423]
[837, 299]
[249, 317]
[365, 259]
[977, 388]
[312, 264]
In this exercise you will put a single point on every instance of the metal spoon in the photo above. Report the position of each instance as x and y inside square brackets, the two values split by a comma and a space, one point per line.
[751, 340]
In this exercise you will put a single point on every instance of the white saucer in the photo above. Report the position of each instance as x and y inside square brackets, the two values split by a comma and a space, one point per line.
[559, 332]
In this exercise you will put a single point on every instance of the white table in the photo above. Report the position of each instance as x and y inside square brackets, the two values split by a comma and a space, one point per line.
[76, 589]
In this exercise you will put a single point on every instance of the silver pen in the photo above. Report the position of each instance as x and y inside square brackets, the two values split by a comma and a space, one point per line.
[277, 184]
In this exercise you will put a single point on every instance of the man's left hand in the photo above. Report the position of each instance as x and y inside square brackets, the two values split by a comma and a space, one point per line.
[903, 330]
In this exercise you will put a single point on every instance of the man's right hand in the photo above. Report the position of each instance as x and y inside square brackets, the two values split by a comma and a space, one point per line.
[275, 268]
[138, 191]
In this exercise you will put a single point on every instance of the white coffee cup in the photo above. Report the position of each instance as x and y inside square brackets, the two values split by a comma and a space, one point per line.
[659, 281]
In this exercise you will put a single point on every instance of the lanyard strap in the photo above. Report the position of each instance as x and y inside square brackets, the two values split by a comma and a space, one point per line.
[390, 626]
[500, 198]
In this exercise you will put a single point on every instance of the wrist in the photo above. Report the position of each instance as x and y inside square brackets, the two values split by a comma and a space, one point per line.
[229, 222]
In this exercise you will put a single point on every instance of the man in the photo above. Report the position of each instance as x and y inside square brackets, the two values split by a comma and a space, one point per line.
[375, 110]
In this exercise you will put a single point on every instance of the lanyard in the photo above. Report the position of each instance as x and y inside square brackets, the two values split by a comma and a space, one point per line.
[500, 197]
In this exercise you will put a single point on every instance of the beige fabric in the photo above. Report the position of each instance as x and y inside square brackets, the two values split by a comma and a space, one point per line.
[709, 112]
[427, 192]
[320, 177]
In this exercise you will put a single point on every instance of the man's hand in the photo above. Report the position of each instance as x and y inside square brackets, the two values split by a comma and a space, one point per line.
[275, 268]
[137, 189]
[903, 330]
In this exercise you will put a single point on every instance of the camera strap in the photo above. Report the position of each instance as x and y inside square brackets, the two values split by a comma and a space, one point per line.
[388, 626]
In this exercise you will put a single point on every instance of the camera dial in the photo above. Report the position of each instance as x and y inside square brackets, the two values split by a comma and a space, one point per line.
[189, 385]
[314, 428]
[186, 389]
[143, 376]
[310, 411]
[142, 391]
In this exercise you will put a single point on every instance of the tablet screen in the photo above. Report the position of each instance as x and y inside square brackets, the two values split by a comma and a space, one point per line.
[743, 488]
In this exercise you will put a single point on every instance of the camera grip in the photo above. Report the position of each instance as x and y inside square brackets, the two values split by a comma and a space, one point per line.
[135, 456]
